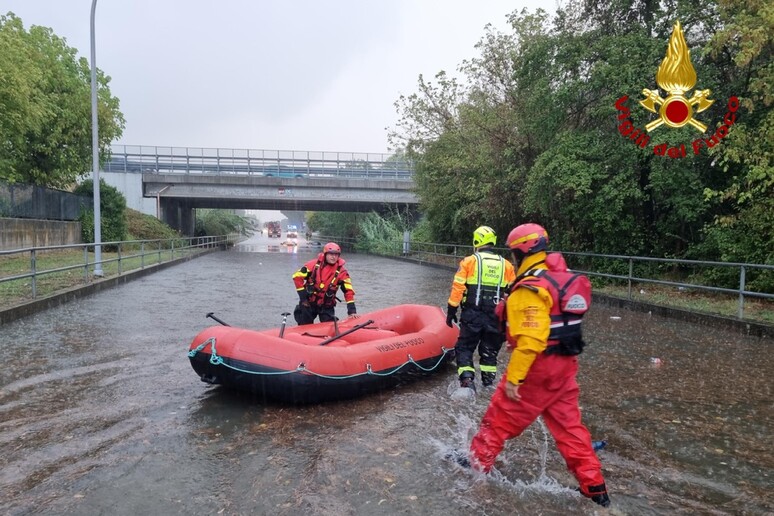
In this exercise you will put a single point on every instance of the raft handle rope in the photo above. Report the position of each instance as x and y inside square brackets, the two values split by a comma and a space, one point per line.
[217, 360]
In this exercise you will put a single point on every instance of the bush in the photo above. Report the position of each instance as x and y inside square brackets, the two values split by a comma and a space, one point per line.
[112, 205]
[147, 227]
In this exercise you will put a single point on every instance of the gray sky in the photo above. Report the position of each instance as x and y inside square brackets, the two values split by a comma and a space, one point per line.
[289, 75]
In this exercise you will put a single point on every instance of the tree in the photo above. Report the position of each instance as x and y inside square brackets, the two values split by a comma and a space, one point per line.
[221, 222]
[335, 224]
[45, 108]
[533, 132]
[743, 229]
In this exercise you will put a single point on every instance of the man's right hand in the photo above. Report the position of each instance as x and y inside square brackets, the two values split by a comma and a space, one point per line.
[512, 391]
[451, 315]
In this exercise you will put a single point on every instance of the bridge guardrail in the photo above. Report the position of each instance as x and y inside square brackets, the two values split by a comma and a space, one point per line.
[634, 272]
[269, 163]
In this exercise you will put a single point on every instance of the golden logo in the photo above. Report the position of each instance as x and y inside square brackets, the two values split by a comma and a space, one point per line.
[676, 76]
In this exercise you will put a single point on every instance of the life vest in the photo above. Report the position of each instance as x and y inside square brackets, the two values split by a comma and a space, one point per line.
[571, 294]
[320, 292]
[487, 282]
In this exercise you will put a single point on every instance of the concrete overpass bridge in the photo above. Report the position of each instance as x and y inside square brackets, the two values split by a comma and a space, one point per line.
[180, 180]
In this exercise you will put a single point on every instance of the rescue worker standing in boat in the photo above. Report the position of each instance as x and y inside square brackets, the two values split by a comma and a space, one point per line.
[317, 283]
[478, 284]
[540, 378]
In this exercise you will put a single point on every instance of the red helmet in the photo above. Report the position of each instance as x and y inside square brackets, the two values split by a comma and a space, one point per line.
[332, 247]
[528, 239]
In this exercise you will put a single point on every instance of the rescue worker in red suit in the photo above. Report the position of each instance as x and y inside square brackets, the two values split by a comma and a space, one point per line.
[317, 283]
[480, 281]
[539, 381]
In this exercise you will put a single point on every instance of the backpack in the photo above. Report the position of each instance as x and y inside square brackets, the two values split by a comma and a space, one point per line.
[572, 289]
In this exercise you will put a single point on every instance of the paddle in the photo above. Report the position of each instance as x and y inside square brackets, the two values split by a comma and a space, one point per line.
[212, 316]
[354, 328]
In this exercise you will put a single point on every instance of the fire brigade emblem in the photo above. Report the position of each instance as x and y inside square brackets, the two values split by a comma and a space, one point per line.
[676, 76]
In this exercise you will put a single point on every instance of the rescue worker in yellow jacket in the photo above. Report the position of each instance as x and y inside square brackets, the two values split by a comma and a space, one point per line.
[479, 282]
[541, 375]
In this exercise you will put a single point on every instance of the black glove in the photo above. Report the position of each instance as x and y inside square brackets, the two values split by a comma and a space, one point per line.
[351, 310]
[451, 315]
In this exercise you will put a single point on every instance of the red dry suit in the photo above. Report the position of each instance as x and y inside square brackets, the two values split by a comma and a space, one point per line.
[546, 381]
[317, 282]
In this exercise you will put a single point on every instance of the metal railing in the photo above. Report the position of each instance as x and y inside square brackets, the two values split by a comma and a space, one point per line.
[29, 273]
[269, 163]
[683, 275]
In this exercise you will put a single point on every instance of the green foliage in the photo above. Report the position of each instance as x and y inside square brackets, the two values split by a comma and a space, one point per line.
[583, 201]
[379, 235]
[221, 222]
[45, 108]
[742, 229]
[147, 227]
[112, 207]
[532, 132]
[335, 224]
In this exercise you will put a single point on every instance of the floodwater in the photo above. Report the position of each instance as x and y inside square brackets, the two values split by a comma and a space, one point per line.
[101, 413]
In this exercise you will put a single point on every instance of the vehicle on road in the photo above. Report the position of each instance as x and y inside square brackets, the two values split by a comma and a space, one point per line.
[274, 229]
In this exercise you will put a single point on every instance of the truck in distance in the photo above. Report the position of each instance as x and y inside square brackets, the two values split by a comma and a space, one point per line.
[273, 229]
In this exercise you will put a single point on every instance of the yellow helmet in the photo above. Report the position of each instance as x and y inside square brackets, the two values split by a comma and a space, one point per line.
[484, 235]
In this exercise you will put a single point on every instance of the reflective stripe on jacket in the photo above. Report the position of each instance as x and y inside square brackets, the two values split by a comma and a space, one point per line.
[480, 280]
[321, 281]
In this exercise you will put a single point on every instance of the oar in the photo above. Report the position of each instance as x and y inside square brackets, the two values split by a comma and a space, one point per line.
[284, 321]
[354, 328]
[212, 316]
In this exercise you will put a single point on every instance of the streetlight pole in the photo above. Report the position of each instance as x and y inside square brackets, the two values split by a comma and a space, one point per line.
[95, 151]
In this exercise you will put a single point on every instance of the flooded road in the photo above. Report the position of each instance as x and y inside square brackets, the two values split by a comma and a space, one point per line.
[101, 412]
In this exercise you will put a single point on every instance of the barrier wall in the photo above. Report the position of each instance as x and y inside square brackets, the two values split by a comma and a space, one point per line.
[22, 233]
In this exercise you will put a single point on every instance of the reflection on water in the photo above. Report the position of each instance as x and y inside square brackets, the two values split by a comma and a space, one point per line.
[101, 413]
[260, 244]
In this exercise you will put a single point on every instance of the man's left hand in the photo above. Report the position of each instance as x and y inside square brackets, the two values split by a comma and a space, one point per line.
[353, 316]
[512, 391]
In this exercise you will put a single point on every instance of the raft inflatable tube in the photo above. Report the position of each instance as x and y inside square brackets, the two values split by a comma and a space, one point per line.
[326, 361]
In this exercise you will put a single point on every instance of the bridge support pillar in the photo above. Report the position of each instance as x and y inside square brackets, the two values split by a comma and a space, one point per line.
[178, 215]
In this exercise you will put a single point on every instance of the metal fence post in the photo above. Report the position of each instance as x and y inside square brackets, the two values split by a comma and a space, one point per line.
[741, 292]
[631, 274]
[142, 255]
[85, 264]
[33, 269]
[119, 258]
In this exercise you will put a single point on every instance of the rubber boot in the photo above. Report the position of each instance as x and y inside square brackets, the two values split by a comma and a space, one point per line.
[468, 381]
[598, 495]
[487, 379]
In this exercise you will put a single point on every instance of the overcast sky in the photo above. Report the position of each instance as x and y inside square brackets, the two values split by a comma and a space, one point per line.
[258, 74]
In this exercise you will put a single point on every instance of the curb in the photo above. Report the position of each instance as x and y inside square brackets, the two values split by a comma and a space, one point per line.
[745, 327]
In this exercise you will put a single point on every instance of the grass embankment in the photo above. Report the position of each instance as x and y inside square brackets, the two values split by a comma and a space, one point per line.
[758, 310]
[62, 269]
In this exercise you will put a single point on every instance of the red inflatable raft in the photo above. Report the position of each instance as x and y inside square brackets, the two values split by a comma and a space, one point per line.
[325, 361]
